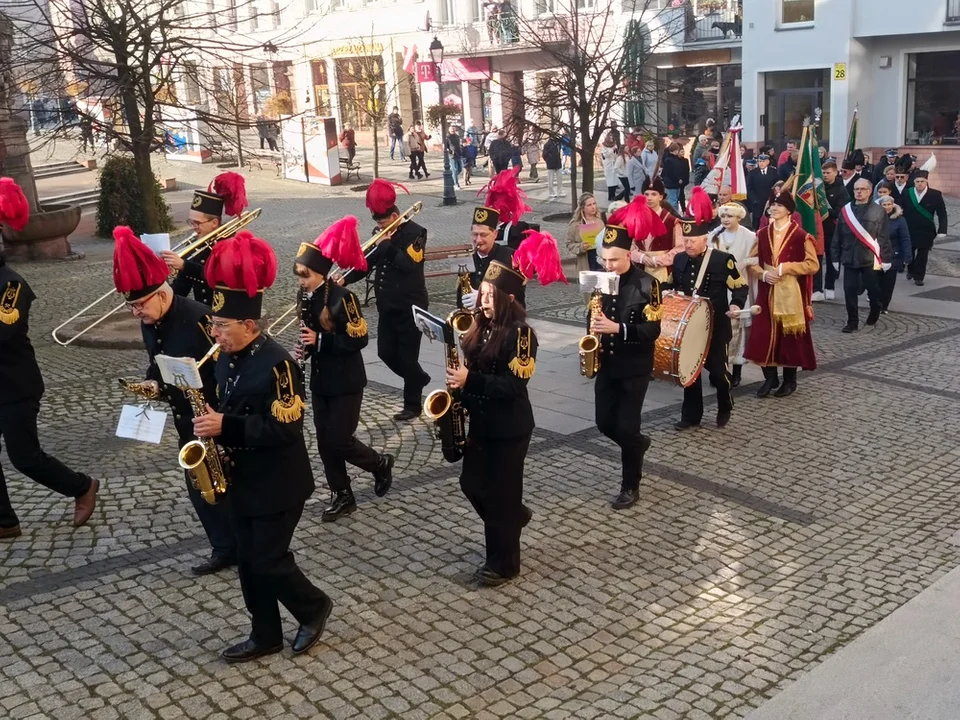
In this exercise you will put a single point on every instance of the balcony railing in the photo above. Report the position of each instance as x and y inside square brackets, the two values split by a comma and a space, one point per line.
[953, 10]
[710, 21]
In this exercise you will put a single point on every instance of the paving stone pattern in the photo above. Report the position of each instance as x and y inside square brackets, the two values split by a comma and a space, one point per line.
[754, 552]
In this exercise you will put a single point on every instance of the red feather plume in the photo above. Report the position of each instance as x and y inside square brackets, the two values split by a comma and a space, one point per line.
[699, 205]
[538, 254]
[243, 262]
[505, 196]
[14, 208]
[135, 266]
[382, 195]
[341, 243]
[233, 189]
[640, 221]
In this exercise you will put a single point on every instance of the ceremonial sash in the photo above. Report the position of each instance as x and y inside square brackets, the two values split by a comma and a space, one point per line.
[862, 235]
[912, 194]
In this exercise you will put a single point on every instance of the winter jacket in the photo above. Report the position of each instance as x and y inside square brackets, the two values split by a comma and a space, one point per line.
[551, 154]
[608, 158]
[847, 248]
[649, 160]
[674, 171]
[636, 173]
[899, 235]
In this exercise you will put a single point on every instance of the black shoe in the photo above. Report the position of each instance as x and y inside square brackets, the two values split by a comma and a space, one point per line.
[645, 442]
[526, 516]
[248, 650]
[625, 499]
[872, 318]
[909, 275]
[419, 176]
[411, 176]
[383, 475]
[768, 387]
[343, 504]
[850, 328]
[490, 578]
[919, 283]
[723, 418]
[215, 564]
[426, 173]
[407, 414]
[787, 389]
[8, 533]
[685, 424]
[308, 635]
[736, 376]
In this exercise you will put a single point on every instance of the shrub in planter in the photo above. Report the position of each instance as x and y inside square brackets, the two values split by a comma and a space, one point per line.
[122, 203]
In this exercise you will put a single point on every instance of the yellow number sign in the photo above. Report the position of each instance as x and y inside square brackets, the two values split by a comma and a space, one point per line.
[839, 71]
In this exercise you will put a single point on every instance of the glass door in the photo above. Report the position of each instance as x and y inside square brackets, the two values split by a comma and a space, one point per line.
[786, 110]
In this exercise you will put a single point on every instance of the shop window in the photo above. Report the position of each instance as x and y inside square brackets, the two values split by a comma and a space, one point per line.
[933, 98]
[794, 12]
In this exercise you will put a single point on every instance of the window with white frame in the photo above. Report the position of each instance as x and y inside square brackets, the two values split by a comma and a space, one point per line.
[793, 12]
[254, 18]
[275, 13]
[545, 7]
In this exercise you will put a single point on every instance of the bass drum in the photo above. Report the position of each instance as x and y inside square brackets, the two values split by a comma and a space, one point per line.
[685, 330]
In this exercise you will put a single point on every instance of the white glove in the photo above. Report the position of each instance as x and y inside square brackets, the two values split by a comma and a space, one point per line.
[836, 266]
[940, 235]
[470, 300]
[886, 266]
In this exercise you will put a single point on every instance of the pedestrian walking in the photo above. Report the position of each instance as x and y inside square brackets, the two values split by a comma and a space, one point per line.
[902, 249]
[348, 140]
[469, 158]
[395, 130]
[554, 165]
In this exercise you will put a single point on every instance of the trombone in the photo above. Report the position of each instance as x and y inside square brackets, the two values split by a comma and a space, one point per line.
[186, 249]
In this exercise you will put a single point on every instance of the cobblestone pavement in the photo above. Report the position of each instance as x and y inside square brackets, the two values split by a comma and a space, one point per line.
[754, 552]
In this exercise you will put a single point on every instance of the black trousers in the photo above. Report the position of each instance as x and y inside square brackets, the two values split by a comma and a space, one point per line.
[625, 182]
[619, 407]
[716, 366]
[269, 575]
[215, 519]
[336, 418]
[888, 281]
[855, 281]
[491, 478]
[398, 345]
[416, 162]
[918, 268]
[18, 427]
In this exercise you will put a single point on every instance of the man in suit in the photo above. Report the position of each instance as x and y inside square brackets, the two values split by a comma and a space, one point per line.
[889, 159]
[483, 233]
[259, 427]
[849, 175]
[920, 205]
[759, 184]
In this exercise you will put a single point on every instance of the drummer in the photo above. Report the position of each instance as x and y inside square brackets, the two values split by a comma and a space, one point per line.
[708, 273]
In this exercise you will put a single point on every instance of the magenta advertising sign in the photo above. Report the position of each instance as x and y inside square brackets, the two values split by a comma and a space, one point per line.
[455, 69]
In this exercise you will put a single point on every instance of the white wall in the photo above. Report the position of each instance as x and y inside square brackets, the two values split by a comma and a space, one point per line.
[883, 17]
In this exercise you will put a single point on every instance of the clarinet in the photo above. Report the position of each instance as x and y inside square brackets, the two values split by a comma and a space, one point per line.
[303, 310]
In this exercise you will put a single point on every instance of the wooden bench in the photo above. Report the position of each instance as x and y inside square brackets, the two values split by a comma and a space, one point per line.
[264, 157]
[446, 252]
[350, 167]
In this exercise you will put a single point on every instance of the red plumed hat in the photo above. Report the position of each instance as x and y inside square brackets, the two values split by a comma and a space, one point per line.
[640, 221]
[538, 254]
[339, 243]
[505, 196]
[137, 270]
[382, 197]
[233, 189]
[240, 269]
[701, 214]
[14, 208]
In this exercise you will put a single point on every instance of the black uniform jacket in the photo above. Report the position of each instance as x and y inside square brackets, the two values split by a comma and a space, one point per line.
[502, 254]
[922, 231]
[182, 332]
[495, 396]
[398, 264]
[629, 353]
[19, 373]
[261, 398]
[759, 185]
[722, 275]
[514, 236]
[191, 278]
[337, 364]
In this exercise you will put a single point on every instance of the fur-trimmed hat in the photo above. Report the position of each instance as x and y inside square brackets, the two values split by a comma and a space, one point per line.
[137, 270]
[784, 198]
[655, 184]
[239, 270]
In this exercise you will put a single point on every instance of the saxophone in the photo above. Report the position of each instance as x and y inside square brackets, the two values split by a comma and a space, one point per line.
[201, 458]
[589, 344]
[445, 407]
[464, 285]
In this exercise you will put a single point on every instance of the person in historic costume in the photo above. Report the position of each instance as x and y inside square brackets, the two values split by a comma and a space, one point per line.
[332, 334]
[734, 238]
[499, 358]
[656, 253]
[503, 194]
[628, 326]
[486, 249]
[227, 193]
[780, 335]
[399, 284]
[921, 203]
[712, 274]
[21, 388]
[177, 327]
[259, 427]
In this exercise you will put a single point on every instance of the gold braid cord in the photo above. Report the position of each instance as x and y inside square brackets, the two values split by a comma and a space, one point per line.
[653, 312]
[523, 365]
[734, 282]
[9, 314]
[288, 407]
[356, 325]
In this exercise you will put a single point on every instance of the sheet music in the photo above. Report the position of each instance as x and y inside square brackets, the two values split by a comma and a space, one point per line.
[180, 372]
[157, 242]
[607, 282]
[141, 423]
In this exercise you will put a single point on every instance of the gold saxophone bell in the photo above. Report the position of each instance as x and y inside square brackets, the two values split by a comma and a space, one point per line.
[589, 344]
[437, 404]
[192, 458]
[461, 321]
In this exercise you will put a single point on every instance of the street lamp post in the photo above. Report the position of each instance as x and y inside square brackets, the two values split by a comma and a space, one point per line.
[436, 56]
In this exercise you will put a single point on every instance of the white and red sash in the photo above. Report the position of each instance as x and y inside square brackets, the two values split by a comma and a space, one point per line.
[860, 232]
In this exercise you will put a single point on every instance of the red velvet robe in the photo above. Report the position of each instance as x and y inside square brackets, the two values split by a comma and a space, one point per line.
[768, 344]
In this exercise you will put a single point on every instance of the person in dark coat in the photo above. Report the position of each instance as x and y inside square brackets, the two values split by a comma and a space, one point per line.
[788, 167]
[501, 152]
[675, 173]
[861, 245]
[849, 174]
[889, 159]
[759, 184]
[628, 326]
[259, 428]
[333, 332]
[486, 249]
[921, 203]
[902, 248]
[837, 197]
[177, 327]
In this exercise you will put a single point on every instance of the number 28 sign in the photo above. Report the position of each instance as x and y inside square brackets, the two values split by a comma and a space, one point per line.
[839, 71]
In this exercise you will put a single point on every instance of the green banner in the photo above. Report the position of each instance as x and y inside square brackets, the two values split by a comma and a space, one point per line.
[810, 196]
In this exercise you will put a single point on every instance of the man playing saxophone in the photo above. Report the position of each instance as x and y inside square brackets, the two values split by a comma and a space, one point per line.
[332, 334]
[483, 233]
[175, 326]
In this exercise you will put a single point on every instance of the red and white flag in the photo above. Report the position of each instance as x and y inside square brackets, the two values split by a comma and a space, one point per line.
[410, 59]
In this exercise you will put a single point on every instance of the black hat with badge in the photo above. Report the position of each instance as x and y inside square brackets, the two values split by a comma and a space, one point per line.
[486, 216]
[617, 236]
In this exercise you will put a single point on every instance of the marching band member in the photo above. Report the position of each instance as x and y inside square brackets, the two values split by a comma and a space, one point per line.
[228, 192]
[486, 249]
[399, 285]
[21, 387]
[259, 426]
[506, 197]
[732, 237]
[712, 281]
[787, 262]
[628, 328]
[175, 326]
[499, 358]
[333, 332]
[656, 252]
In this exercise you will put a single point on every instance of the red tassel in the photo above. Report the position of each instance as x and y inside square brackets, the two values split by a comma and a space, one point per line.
[14, 208]
[135, 266]
[538, 254]
[341, 243]
[243, 262]
[640, 221]
[382, 195]
[699, 205]
[505, 196]
[233, 189]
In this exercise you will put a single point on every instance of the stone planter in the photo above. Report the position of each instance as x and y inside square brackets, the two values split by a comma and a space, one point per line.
[45, 236]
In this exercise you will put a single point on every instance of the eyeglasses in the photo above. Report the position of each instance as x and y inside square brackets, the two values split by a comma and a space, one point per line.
[221, 324]
[197, 224]
[140, 304]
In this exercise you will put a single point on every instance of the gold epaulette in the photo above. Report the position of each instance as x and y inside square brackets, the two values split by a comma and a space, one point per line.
[356, 325]
[415, 249]
[9, 314]
[653, 311]
[734, 283]
[524, 364]
[288, 407]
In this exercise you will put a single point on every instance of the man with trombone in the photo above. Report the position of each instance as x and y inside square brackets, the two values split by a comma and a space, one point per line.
[226, 192]
[174, 326]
